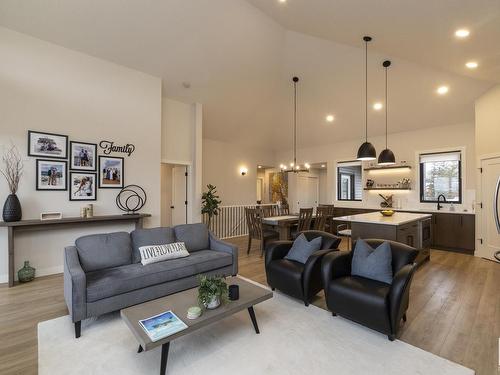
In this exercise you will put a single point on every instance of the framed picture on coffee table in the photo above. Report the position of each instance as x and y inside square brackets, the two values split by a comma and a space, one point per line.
[82, 186]
[83, 156]
[51, 175]
[47, 145]
[111, 172]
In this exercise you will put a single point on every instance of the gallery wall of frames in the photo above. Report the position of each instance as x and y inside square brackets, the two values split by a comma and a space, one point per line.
[76, 167]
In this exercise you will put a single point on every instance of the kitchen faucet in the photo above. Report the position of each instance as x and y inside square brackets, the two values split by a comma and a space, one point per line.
[439, 201]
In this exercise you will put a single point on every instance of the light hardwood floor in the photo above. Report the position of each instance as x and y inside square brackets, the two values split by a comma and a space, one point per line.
[454, 311]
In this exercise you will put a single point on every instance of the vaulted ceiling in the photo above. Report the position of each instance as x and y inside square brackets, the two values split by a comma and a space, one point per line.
[239, 56]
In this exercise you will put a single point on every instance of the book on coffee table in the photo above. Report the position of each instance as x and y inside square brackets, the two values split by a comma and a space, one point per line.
[162, 325]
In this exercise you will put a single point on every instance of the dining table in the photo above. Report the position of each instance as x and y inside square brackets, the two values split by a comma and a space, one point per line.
[282, 224]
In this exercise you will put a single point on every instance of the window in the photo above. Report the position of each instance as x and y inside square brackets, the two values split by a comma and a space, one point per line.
[441, 174]
[349, 181]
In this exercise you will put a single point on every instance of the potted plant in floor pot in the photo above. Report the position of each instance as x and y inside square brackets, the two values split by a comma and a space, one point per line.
[12, 171]
[212, 291]
[210, 203]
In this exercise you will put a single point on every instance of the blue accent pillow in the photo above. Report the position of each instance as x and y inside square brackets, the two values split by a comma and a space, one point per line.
[375, 264]
[302, 249]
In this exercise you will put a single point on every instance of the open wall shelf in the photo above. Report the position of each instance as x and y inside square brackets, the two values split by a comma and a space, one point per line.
[388, 167]
[386, 188]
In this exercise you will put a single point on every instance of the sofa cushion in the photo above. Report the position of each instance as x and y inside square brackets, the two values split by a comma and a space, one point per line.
[148, 237]
[195, 236]
[107, 283]
[100, 251]
[375, 264]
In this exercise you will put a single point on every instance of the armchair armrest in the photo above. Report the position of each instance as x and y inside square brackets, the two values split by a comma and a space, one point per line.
[334, 265]
[218, 245]
[75, 285]
[399, 293]
[311, 278]
[277, 250]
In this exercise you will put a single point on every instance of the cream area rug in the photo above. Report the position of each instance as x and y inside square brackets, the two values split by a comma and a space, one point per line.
[294, 339]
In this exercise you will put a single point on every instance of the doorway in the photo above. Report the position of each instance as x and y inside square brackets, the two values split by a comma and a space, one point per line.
[489, 246]
[174, 196]
[307, 191]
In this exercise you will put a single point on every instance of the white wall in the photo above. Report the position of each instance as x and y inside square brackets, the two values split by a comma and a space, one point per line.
[406, 146]
[221, 167]
[488, 122]
[45, 87]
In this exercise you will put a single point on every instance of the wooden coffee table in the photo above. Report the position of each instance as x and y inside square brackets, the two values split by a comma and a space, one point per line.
[250, 295]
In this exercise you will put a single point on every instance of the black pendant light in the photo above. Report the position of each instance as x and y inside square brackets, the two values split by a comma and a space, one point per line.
[386, 157]
[366, 150]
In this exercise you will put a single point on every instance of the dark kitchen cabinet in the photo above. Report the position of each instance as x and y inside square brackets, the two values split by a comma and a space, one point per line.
[454, 232]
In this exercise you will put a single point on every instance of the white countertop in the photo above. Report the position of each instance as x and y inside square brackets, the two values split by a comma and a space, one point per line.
[399, 218]
[445, 210]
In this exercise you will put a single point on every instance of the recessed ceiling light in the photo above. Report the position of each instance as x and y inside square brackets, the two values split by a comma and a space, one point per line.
[259, 166]
[323, 166]
[442, 90]
[462, 33]
[472, 65]
[282, 1]
[378, 106]
[330, 118]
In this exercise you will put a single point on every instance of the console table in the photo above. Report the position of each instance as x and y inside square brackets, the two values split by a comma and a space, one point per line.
[31, 225]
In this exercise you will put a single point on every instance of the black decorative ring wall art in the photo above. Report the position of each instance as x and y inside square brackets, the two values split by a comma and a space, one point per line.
[131, 199]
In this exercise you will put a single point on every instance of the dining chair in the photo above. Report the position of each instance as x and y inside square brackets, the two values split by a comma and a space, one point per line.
[304, 223]
[267, 211]
[328, 210]
[284, 210]
[256, 230]
[323, 216]
[343, 230]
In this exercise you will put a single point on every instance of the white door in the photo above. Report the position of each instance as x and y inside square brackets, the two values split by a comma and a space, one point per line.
[307, 192]
[179, 189]
[490, 213]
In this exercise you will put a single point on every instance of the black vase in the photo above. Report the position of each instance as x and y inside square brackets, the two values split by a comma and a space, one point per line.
[12, 209]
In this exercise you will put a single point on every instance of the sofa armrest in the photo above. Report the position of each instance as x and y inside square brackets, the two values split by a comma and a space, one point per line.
[75, 285]
[218, 245]
[277, 250]
[399, 293]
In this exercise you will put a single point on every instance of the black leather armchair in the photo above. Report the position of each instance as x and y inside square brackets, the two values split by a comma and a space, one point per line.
[302, 281]
[372, 303]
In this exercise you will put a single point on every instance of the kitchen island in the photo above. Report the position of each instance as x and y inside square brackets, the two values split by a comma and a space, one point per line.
[408, 228]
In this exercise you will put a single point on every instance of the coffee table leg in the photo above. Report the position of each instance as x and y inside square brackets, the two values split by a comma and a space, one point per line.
[254, 319]
[164, 357]
[140, 349]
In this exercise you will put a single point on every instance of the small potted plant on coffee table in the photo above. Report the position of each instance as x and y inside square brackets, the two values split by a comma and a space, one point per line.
[212, 292]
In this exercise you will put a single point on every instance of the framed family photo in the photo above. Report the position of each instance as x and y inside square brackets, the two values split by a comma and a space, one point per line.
[83, 156]
[83, 186]
[110, 172]
[47, 145]
[51, 175]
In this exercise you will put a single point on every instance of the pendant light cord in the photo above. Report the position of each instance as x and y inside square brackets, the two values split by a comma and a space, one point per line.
[366, 91]
[294, 123]
[386, 107]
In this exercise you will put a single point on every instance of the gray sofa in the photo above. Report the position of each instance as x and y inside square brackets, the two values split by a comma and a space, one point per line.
[103, 272]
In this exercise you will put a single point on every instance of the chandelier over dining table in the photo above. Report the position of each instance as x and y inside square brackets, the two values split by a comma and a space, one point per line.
[294, 166]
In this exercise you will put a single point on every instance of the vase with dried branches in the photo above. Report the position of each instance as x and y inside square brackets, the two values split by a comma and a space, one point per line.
[12, 170]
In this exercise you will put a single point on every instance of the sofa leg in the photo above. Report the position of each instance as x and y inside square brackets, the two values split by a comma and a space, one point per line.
[273, 289]
[78, 329]
[306, 303]
[404, 317]
[391, 337]
[249, 244]
[334, 314]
